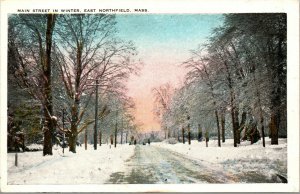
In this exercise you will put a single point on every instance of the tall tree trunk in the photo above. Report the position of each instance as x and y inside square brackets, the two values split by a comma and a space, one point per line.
[243, 120]
[223, 126]
[241, 125]
[72, 135]
[218, 127]
[72, 143]
[199, 133]
[122, 136]
[47, 104]
[237, 125]
[126, 137]
[233, 123]
[274, 129]
[47, 145]
[210, 84]
[76, 101]
[262, 129]
[116, 133]
[260, 106]
[278, 91]
[232, 104]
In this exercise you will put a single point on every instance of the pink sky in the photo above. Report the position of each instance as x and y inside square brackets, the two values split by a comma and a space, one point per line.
[157, 70]
[163, 41]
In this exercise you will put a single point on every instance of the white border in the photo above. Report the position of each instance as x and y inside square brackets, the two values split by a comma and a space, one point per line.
[291, 7]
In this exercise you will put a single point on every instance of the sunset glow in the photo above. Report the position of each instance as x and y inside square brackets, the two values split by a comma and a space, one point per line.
[163, 43]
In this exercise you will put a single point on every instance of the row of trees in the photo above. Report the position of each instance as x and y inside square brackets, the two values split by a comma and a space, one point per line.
[55, 60]
[237, 79]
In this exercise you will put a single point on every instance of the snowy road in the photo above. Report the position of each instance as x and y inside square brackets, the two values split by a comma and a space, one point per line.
[151, 164]
[158, 163]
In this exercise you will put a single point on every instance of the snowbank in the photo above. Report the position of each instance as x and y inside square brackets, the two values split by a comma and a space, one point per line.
[270, 160]
[35, 147]
[85, 167]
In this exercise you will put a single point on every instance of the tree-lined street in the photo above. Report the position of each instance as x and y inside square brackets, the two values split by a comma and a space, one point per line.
[163, 98]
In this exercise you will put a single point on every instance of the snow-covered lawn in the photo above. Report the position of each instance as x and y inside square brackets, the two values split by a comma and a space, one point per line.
[85, 167]
[245, 158]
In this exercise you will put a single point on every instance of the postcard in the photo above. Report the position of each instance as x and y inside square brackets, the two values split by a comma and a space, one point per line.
[149, 96]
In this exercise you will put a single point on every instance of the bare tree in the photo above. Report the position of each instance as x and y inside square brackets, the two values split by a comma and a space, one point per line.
[87, 48]
[162, 99]
[32, 37]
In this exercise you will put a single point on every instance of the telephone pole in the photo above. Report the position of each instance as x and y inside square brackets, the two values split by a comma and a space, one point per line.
[63, 122]
[96, 117]
[96, 112]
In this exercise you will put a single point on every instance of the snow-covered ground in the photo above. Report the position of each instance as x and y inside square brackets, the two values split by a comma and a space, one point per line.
[85, 167]
[243, 164]
[269, 160]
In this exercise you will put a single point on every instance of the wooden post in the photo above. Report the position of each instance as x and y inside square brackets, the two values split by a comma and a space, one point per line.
[85, 139]
[100, 137]
[16, 159]
[111, 140]
[183, 141]
[206, 137]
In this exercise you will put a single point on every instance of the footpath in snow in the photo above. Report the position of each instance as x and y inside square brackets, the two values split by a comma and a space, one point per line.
[245, 158]
[85, 167]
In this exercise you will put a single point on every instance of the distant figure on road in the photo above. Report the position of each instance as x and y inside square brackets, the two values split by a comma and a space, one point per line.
[134, 142]
[149, 141]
